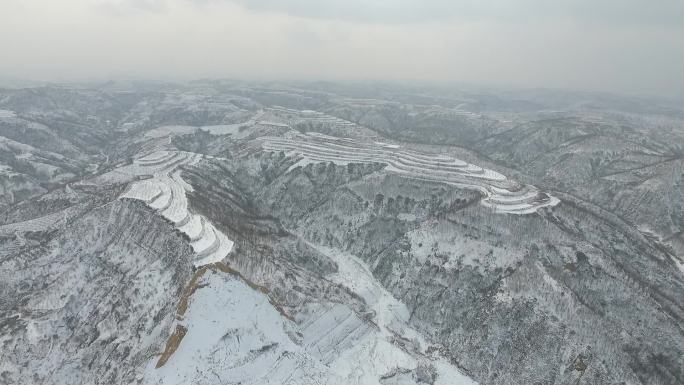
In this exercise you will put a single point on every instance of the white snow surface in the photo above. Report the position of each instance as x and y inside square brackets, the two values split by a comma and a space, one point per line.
[235, 335]
[224, 246]
[193, 228]
[144, 190]
[207, 240]
[500, 193]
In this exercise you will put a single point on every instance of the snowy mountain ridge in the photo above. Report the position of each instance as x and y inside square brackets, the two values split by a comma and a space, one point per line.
[218, 232]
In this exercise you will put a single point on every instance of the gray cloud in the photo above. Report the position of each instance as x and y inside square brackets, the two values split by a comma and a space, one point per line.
[130, 7]
[623, 46]
[624, 12]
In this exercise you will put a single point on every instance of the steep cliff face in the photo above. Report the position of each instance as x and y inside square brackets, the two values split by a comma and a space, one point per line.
[92, 301]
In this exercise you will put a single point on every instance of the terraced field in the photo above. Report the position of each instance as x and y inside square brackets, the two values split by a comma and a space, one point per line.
[500, 193]
[165, 192]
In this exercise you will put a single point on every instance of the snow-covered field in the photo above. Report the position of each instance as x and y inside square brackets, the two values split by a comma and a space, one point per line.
[235, 332]
[501, 194]
[166, 191]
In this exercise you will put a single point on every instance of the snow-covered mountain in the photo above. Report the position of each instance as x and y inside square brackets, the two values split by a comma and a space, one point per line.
[226, 233]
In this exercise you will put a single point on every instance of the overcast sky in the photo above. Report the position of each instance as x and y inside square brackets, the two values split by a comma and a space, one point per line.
[624, 46]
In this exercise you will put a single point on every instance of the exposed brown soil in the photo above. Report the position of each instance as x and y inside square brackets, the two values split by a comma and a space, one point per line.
[190, 290]
[172, 344]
